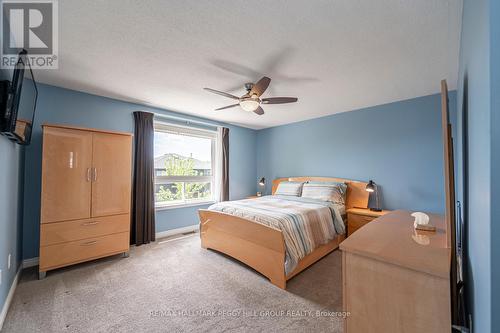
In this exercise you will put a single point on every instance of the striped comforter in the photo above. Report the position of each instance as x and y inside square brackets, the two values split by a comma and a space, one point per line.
[306, 223]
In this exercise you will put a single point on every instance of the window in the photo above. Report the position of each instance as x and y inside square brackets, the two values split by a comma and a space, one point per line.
[184, 165]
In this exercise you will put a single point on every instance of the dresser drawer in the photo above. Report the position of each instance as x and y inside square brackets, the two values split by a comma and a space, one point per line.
[54, 256]
[62, 232]
[356, 221]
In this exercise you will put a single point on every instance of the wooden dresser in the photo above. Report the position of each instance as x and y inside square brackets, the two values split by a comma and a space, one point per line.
[86, 195]
[396, 279]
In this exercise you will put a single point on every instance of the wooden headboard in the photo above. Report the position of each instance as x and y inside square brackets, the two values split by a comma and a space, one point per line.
[356, 193]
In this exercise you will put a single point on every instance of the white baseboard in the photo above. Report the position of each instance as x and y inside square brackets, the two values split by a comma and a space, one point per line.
[8, 300]
[167, 233]
[31, 262]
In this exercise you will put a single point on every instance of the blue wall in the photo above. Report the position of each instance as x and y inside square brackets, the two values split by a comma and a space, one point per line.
[11, 189]
[398, 145]
[477, 100]
[62, 106]
[495, 161]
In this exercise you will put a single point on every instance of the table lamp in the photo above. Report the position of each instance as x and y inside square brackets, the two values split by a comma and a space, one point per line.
[373, 188]
[262, 183]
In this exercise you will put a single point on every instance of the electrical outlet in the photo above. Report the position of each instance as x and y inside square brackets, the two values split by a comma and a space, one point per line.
[8, 261]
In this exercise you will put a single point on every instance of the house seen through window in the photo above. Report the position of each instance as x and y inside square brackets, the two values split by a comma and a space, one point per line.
[184, 165]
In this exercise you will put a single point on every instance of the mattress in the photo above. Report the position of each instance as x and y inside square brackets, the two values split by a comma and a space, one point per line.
[306, 224]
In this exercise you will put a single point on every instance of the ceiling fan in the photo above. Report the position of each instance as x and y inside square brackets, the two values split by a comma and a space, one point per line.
[251, 101]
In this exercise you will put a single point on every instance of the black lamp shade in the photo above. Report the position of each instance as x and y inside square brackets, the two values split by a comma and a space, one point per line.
[370, 187]
[262, 181]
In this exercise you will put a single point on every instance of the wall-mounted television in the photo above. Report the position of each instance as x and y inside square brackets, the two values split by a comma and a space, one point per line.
[18, 102]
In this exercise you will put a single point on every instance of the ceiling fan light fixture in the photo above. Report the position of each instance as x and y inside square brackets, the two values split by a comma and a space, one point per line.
[251, 101]
[249, 104]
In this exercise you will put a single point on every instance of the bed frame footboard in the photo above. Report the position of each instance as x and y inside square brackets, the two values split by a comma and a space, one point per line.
[256, 245]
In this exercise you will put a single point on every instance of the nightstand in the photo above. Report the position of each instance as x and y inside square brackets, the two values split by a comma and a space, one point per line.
[358, 217]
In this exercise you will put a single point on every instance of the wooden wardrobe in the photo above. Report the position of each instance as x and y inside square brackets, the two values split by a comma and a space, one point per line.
[86, 195]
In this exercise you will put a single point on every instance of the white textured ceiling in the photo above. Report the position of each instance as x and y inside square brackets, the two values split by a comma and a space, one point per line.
[335, 56]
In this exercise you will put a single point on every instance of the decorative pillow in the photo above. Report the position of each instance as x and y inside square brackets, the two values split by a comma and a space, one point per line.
[289, 188]
[325, 191]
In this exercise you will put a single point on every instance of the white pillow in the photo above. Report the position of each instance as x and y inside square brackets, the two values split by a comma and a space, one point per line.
[289, 188]
[334, 192]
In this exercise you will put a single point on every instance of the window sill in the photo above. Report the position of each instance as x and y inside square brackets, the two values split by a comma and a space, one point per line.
[183, 205]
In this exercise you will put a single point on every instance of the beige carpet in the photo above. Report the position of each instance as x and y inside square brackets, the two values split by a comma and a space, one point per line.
[176, 286]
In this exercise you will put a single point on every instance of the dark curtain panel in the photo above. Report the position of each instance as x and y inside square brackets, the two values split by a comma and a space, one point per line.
[225, 164]
[143, 204]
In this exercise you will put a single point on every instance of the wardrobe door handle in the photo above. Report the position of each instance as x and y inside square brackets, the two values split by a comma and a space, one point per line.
[90, 223]
[88, 174]
[89, 243]
[95, 174]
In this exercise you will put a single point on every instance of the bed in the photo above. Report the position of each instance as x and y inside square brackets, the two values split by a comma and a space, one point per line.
[269, 248]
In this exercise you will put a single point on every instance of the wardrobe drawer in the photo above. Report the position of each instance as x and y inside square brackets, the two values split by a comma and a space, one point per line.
[54, 256]
[62, 232]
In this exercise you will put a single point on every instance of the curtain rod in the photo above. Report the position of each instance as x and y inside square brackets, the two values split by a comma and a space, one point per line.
[187, 121]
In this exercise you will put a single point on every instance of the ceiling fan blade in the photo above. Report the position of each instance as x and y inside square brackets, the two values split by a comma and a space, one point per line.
[227, 107]
[261, 86]
[221, 93]
[279, 100]
[259, 111]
